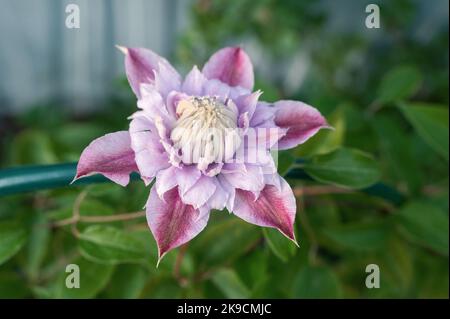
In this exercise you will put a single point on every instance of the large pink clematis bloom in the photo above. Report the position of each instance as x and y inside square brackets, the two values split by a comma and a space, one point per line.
[193, 136]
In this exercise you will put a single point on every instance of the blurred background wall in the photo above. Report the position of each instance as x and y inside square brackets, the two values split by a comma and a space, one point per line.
[41, 60]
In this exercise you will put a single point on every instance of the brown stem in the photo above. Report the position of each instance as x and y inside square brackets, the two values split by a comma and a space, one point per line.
[308, 231]
[177, 268]
[319, 190]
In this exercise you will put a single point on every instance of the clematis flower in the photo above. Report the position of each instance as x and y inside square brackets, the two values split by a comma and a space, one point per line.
[207, 143]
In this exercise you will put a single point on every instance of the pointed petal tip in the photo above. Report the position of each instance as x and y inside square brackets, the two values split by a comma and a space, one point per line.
[291, 236]
[75, 178]
[122, 49]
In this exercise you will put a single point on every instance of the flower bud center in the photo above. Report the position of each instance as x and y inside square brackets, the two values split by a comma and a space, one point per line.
[205, 131]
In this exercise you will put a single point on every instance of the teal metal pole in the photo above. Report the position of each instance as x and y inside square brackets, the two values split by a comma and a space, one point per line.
[34, 178]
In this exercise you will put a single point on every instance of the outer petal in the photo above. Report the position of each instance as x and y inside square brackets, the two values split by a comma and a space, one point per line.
[301, 120]
[140, 66]
[110, 155]
[230, 65]
[172, 222]
[275, 207]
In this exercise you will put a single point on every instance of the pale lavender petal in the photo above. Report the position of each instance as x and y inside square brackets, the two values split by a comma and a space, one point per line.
[173, 98]
[252, 180]
[165, 180]
[110, 155]
[166, 80]
[194, 82]
[152, 103]
[230, 65]
[275, 207]
[229, 189]
[243, 122]
[264, 115]
[213, 169]
[247, 103]
[171, 221]
[140, 67]
[200, 192]
[187, 176]
[150, 155]
[301, 120]
[233, 168]
[215, 87]
[219, 198]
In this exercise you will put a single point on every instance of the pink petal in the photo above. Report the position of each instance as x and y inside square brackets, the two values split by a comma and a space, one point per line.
[215, 87]
[110, 155]
[198, 194]
[275, 207]
[194, 82]
[149, 153]
[264, 115]
[173, 98]
[165, 180]
[251, 180]
[152, 103]
[187, 176]
[219, 199]
[140, 67]
[184, 177]
[230, 65]
[166, 79]
[301, 120]
[172, 222]
[247, 103]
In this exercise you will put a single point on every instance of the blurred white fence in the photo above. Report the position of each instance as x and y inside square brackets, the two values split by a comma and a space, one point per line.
[42, 60]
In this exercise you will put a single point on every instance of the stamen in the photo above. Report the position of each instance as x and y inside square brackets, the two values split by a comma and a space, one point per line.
[206, 131]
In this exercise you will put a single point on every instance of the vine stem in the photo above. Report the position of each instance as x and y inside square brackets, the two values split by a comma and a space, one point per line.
[177, 267]
[312, 254]
[77, 217]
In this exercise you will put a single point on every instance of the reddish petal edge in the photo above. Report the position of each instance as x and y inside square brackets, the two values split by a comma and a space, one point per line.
[232, 66]
[172, 222]
[275, 207]
[110, 155]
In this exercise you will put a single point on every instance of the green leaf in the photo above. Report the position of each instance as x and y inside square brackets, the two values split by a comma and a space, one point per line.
[316, 282]
[425, 224]
[431, 123]
[109, 245]
[284, 162]
[127, 282]
[223, 241]
[12, 239]
[282, 247]
[397, 152]
[326, 141]
[12, 286]
[93, 278]
[399, 83]
[360, 236]
[344, 167]
[33, 147]
[37, 245]
[228, 282]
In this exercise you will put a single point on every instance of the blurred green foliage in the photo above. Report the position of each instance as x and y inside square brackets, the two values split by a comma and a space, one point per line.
[385, 96]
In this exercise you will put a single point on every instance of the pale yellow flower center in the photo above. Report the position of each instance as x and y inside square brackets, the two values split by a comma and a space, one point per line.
[205, 131]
